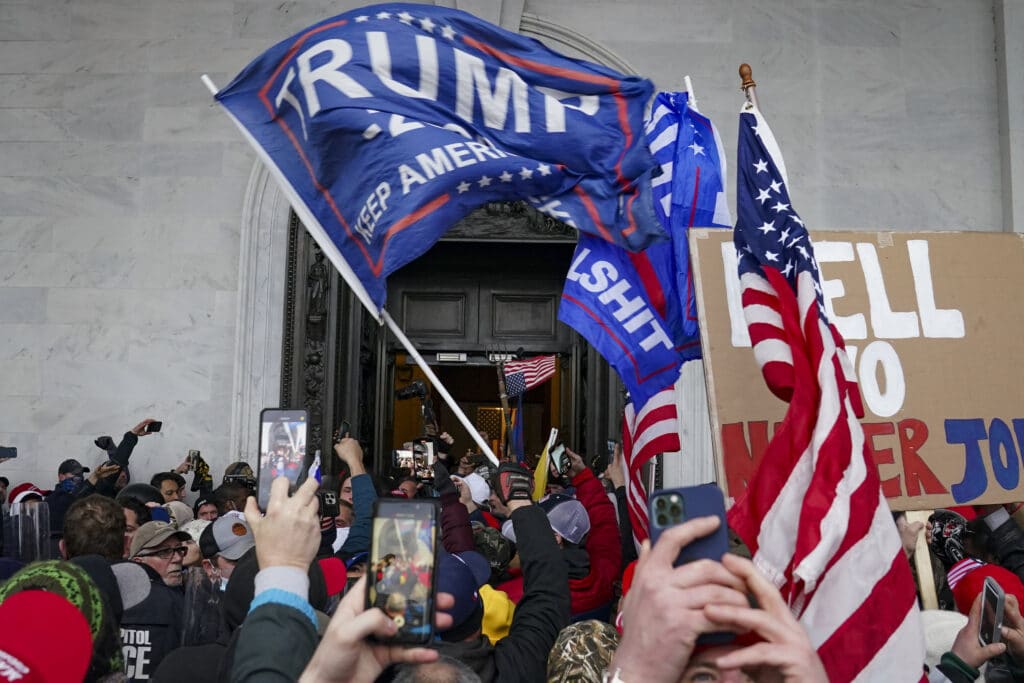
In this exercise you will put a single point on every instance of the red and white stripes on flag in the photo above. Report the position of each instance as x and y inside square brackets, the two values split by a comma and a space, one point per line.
[654, 430]
[813, 514]
[536, 370]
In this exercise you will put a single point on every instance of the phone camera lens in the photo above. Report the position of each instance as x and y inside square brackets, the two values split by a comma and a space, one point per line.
[662, 520]
[676, 511]
[660, 504]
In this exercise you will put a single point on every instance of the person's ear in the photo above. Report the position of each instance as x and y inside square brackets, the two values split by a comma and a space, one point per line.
[63, 549]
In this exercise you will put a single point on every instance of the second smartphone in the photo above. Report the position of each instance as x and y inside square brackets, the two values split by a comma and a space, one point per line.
[402, 570]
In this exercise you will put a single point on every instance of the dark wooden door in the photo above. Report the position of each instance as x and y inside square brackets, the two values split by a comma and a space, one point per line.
[491, 286]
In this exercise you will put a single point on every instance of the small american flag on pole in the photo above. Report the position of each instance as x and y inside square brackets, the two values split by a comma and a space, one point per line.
[523, 375]
[813, 514]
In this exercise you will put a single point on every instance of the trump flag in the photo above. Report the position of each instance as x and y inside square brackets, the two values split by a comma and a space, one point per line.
[387, 124]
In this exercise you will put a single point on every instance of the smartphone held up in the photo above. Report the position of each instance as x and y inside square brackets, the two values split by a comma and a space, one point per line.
[993, 601]
[671, 507]
[282, 450]
[402, 571]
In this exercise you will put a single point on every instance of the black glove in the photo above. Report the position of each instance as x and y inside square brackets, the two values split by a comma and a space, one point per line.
[512, 482]
[948, 530]
[105, 443]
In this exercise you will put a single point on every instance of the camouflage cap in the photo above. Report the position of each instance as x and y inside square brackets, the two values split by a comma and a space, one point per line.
[582, 652]
[491, 544]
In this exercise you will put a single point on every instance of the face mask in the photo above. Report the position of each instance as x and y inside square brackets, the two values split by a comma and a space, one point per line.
[222, 585]
[68, 485]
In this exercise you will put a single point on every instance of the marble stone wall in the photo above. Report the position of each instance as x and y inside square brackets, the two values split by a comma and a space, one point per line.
[122, 188]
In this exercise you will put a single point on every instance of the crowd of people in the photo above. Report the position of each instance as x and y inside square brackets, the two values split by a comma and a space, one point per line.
[131, 582]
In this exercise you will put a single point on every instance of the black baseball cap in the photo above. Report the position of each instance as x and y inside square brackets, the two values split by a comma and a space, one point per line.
[72, 466]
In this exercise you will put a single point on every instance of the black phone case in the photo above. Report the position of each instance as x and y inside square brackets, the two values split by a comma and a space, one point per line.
[435, 512]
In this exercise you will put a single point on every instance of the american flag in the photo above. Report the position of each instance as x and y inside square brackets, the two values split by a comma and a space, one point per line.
[522, 375]
[645, 434]
[813, 515]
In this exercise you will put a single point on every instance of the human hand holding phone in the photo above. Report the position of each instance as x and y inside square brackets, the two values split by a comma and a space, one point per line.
[786, 653]
[657, 650]
[289, 534]
[968, 647]
[575, 463]
[145, 427]
[351, 453]
[1013, 627]
[350, 650]
[615, 473]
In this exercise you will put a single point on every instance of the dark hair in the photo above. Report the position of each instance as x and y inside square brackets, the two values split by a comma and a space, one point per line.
[231, 496]
[5, 482]
[444, 668]
[160, 477]
[141, 510]
[95, 525]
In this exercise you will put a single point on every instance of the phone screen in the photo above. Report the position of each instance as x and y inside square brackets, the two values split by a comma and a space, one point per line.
[423, 458]
[154, 427]
[401, 571]
[991, 613]
[403, 459]
[558, 459]
[282, 449]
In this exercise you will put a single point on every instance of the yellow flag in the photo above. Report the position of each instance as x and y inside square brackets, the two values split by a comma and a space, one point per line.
[540, 475]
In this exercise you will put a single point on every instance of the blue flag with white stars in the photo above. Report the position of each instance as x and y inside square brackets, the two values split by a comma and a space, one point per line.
[689, 192]
[769, 233]
[387, 124]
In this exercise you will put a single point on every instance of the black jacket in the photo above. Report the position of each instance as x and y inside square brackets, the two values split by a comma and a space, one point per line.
[542, 612]
[259, 655]
[1006, 543]
[151, 629]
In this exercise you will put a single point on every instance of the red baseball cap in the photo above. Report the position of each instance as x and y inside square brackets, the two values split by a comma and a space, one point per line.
[42, 618]
[971, 581]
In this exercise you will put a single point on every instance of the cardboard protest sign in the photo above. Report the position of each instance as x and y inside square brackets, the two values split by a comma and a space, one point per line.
[933, 323]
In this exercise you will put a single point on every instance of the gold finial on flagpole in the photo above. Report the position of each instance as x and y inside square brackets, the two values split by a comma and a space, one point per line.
[748, 86]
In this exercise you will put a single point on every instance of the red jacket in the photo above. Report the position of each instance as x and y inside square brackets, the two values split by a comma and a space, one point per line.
[602, 546]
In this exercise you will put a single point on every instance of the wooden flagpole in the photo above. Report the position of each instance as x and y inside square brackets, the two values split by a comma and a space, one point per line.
[748, 86]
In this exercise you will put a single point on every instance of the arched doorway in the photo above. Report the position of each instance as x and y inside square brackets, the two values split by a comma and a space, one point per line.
[490, 288]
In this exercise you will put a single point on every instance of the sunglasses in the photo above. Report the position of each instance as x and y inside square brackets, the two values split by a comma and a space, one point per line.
[167, 553]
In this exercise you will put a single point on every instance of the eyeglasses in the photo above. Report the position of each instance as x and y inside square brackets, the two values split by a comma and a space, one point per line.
[167, 553]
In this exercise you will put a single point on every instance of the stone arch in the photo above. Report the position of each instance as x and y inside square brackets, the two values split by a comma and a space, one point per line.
[262, 273]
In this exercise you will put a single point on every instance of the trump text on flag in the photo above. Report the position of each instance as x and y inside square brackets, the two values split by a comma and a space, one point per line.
[931, 329]
[390, 123]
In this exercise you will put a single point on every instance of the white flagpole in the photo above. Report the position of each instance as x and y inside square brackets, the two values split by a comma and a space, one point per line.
[435, 383]
[332, 252]
[689, 91]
